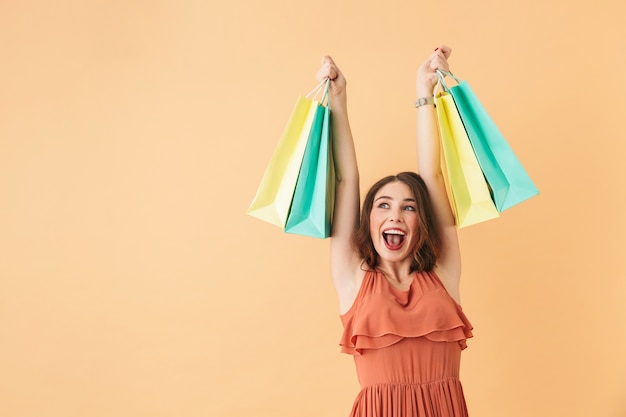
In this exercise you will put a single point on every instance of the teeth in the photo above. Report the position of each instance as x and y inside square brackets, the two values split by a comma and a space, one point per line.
[394, 232]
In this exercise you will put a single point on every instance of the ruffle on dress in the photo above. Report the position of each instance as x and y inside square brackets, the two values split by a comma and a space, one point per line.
[382, 315]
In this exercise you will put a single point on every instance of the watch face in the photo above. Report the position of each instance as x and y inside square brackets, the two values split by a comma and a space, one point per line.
[421, 101]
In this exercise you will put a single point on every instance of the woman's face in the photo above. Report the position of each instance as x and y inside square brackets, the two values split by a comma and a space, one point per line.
[394, 222]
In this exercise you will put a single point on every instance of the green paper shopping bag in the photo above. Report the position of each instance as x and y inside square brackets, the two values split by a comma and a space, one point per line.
[509, 181]
[313, 200]
[275, 192]
[471, 199]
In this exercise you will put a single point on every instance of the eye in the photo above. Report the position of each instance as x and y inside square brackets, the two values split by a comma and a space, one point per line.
[409, 208]
[383, 205]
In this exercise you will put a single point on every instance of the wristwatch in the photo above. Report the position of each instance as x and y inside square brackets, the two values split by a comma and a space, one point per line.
[423, 101]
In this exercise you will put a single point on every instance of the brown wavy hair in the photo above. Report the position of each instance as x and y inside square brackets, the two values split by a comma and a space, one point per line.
[428, 242]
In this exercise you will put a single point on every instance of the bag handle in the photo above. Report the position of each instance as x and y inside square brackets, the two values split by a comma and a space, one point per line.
[441, 74]
[316, 91]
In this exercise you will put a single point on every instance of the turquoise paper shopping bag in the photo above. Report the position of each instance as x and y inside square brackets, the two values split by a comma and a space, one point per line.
[507, 178]
[313, 200]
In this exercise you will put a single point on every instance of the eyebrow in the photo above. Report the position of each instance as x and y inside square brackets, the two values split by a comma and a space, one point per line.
[389, 198]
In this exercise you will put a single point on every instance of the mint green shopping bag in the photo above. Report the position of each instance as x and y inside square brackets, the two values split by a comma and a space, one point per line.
[313, 200]
[507, 178]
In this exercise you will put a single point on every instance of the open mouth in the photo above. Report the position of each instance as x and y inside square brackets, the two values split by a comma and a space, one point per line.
[394, 238]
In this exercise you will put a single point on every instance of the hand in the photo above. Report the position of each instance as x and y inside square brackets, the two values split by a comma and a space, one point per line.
[427, 72]
[337, 88]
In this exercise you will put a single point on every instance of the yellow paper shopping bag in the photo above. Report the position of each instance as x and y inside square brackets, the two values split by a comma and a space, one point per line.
[470, 194]
[273, 198]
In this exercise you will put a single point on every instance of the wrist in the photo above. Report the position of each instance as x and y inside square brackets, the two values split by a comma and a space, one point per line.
[339, 106]
[425, 89]
[424, 93]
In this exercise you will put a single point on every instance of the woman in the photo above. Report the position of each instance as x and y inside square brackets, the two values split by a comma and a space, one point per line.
[396, 269]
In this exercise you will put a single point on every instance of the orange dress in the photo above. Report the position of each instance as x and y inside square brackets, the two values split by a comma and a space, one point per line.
[407, 348]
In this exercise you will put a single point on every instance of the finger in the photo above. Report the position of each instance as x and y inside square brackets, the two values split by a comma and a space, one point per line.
[329, 69]
[439, 63]
[438, 55]
[326, 72]
[433, 61]
[326, 59]
[328, 62]
[440, 60]
[445, 50]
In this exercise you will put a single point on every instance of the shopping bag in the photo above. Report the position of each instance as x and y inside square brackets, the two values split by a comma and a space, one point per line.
[509, 181]
[275, 192]
[313, 199]
[471, 199]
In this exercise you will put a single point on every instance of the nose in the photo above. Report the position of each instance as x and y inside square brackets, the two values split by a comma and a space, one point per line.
[396, 215]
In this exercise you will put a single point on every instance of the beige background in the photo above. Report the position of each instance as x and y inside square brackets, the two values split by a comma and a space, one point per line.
[133, 135]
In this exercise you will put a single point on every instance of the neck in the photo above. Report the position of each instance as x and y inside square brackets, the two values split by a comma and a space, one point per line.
[399, 272]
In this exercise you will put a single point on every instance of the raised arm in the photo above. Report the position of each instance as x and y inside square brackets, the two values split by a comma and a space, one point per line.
[429, 163]
[344, 261]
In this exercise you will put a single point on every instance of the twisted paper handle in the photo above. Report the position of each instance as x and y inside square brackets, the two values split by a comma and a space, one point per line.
[316, 91]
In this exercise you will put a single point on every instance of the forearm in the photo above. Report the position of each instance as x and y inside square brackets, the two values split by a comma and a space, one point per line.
[346, 168]
[347, 197]
[427, 140]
